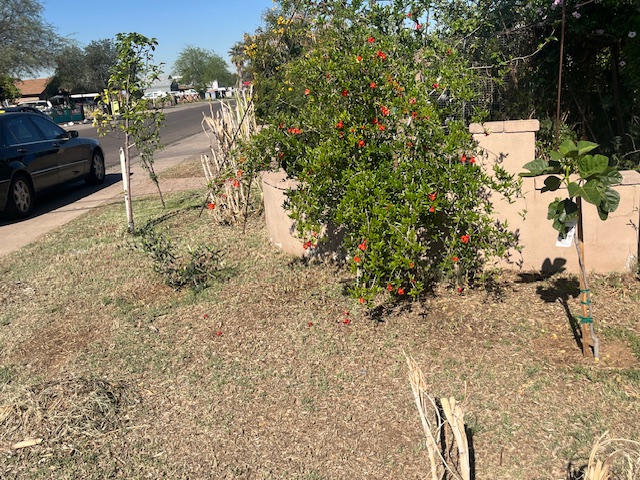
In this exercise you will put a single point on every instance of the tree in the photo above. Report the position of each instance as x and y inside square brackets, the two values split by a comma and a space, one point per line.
[199, 67]
[83, 70]
[27, 44]
[238, 58]
[8, 89]
[134, 115]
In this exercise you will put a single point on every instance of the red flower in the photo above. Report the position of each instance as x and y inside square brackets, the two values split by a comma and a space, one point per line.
[414, 114]
[372, 84]
[410, 144]
[384, 110]
[307, 91]
[371, 39]
[412, 101]
[463, 159]
[435, 86]
[310, 324]
[454, 258]
[401, 291]
[464, 238]
[418, 26]
[358, 59]
[360, 143]
[339, 124]
[346, 321]
[236, 183]
[294, 131]
[381, 55]
[239, 173]
[363, 245]
[375, 121]
[345, 93]
[219, 333]
[307, 245]
[459, 289]
[362, 300]
[382, 128]
[211, 206]
[205, 316]
[472, 160]
[432, 196]
[356, 259]
[410, 264]
[390, 288]
[432, 209]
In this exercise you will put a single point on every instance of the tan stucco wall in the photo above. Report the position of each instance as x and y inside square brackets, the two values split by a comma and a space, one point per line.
[610, 246]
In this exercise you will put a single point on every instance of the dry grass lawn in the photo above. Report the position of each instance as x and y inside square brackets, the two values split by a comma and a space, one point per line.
[116, 375]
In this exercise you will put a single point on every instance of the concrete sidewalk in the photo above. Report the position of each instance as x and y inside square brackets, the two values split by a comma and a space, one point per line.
[15, 235]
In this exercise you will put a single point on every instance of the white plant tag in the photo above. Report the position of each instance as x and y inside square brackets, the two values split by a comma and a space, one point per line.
[570, 232]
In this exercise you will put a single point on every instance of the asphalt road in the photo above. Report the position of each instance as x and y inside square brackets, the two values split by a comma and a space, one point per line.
[182, 121]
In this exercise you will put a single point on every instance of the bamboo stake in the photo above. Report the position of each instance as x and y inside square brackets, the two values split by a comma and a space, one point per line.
[585, 297]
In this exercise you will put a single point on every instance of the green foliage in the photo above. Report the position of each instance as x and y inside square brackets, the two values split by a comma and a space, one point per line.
[196, 269]
[595, 177]
[83, 70]
[8, 89]
[200, 67]
[27, 44]
[368, 119]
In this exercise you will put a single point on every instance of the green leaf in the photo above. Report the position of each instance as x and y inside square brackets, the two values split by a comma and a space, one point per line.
[568, 149]
[610, 176]
[557, 156]
[536, 167]
[553, 209]
[610, 201]
[551, 184]
[573, 188]
[589, 192]
[585, 147]
[592, 165]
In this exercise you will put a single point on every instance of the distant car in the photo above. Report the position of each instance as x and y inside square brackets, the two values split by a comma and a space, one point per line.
[39, 104]
[37, 155]
[155, 95]
[24, 108]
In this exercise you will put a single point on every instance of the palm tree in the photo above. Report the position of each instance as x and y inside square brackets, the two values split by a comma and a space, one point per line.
[238, 58]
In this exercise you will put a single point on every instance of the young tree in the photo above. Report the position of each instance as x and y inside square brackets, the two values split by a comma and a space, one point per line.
[200, 67]
[132, 114]
[27, 44]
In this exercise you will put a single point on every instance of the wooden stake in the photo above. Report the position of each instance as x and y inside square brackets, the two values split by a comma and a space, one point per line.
[587, 341]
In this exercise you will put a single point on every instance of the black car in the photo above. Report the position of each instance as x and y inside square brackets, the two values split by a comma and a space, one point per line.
[37, 155]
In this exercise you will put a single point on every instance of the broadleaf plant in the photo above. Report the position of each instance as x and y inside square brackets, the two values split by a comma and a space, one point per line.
[585, 176]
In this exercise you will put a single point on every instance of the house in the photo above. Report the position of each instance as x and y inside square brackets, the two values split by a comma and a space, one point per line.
[33, 89]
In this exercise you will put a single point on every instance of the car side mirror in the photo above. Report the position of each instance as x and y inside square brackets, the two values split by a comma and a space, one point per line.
[73, 133]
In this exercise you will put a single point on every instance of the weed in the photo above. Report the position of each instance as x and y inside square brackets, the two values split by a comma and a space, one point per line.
[195, 270]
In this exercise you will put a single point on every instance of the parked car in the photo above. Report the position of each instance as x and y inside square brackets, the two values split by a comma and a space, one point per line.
[37, 155]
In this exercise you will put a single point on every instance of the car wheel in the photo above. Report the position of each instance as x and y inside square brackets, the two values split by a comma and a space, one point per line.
[97, 171]
[21, 196]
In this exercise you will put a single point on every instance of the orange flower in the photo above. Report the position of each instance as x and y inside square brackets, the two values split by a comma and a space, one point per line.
[464, 238]
[358, 59]
[432, 196]
[432, 209]
[373, 85]
[381, 55]
[345, 93]
[360, 143]
[211, 206]
[362, 300]
[454, 258]
[356, 259]
[307, 91]
[401, 291]
[371, 39]
[340, 124]
[390, 288]
[363, 245]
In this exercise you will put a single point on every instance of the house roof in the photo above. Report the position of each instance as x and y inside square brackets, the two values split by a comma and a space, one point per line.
[33, 87]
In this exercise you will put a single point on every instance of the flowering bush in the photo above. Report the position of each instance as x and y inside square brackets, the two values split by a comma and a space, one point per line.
[379, 146]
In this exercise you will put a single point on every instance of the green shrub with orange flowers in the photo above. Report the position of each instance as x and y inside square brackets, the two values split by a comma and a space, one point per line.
[370, 122]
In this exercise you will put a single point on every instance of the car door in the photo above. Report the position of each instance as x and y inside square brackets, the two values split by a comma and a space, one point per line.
[23, 143]
[73, 158]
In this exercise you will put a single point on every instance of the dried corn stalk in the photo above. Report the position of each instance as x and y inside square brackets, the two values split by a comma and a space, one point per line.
[444, 432]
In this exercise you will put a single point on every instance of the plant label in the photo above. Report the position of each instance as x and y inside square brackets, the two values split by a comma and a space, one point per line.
[569, 234]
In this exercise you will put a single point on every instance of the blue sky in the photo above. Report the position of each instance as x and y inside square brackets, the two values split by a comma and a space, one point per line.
[210, 24]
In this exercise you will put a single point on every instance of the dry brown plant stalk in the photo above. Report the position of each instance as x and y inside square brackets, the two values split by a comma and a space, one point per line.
[614, 458]
[438, 430]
